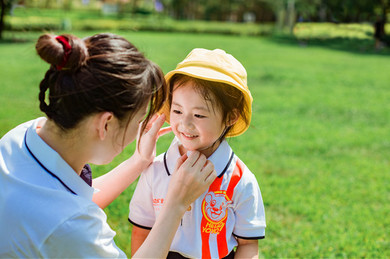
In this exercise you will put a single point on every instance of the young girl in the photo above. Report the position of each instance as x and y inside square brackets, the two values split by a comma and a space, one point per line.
[209, 101]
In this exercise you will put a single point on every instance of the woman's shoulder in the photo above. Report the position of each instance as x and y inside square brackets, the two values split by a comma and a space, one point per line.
[17, 133]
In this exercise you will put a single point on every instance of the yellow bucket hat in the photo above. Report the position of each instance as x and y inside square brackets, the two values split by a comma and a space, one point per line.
[217, 66]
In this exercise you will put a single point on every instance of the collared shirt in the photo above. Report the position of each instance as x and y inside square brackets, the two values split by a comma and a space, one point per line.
[231, 207]
[46, 208]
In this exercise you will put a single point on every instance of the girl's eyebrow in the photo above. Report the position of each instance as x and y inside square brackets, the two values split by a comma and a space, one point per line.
[195, 108]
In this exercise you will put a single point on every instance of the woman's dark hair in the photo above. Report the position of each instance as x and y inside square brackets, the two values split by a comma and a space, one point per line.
[222, 96]
[104, 72]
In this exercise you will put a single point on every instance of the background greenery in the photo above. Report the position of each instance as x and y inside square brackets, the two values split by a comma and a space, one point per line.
[319, 142]
[38, 19]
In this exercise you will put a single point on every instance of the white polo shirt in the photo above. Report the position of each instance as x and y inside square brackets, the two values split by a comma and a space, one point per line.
[46, 209]
[232, 206]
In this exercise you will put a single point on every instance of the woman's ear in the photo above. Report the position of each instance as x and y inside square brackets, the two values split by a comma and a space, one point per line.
[104, 121]
[232, 118]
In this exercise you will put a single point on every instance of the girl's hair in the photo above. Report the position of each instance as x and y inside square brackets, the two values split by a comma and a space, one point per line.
[222, 96]
[101, 73]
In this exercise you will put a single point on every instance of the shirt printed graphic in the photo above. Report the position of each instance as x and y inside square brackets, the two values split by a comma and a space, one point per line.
[157, 204]
[214, 209]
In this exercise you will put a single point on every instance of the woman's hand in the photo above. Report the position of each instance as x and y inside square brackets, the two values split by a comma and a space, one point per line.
[192, 177]
[127, 172]
[146, 144]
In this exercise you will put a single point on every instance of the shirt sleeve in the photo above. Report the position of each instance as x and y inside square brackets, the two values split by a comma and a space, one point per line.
[249, 211]
[85, 235]
[141, 205]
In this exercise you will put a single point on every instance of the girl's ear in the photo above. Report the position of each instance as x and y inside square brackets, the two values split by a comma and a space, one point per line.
[104, 123]
[232, 118]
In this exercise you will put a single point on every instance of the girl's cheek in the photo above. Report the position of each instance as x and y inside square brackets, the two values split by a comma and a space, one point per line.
[173, 120]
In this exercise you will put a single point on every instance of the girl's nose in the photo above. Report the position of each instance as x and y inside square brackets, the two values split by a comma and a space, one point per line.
[187, 121]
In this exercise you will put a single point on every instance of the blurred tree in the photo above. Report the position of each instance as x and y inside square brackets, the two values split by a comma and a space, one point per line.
[176, 8]
[308, 9]
[5, 7]
[288, 11]
[356, 11]
[67, 5]
[218, 10]
[362, 10]
[48, 4]
[134, 6]
[285, 11]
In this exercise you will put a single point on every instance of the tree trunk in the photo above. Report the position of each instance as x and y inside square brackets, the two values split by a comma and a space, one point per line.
[322, 13]
[280, 17]
[2, 18]
[134, 7]
[291, 15]
[384, 17]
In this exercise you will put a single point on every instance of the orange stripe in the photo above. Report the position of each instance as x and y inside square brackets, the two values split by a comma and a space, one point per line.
[215, 186]
[221, 238]
[221, 241]
[205, 241]
[236, 176]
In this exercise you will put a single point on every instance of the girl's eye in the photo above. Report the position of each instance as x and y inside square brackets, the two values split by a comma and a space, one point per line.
[199, 116]
[177, 111]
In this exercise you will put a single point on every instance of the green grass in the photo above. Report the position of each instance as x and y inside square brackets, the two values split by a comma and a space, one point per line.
[319, 143]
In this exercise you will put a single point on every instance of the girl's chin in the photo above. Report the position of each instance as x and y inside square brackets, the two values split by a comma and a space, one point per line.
[185, 149]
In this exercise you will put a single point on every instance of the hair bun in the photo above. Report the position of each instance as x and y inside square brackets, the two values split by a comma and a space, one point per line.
[53, 51]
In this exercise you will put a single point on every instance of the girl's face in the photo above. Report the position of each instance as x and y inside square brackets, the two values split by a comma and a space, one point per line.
[194, 120]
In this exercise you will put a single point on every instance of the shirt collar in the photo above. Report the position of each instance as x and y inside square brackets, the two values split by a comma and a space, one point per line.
[221, 158]
[53, 163]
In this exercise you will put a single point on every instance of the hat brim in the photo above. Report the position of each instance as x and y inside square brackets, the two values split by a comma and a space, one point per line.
[213, 75]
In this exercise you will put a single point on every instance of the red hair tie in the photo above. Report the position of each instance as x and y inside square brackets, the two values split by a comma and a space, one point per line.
[67, 50]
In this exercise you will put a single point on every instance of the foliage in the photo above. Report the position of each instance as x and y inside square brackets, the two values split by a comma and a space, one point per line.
[330, 30]
[350, 11]
[318, 143]
[143, 15]
[53, 20]
[5, 7]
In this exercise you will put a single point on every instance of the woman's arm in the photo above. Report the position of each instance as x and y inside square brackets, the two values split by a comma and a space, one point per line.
[191, 178]
[113, 183]
[247, 248]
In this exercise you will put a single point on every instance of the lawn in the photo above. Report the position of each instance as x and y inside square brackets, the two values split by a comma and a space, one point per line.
[319, 143]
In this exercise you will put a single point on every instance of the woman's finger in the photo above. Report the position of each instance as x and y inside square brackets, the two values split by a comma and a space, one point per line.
[164, 131]
[211, 177]
[190, 159]
[180, 162]
[154, 118]
[156, 125]
[209, 172]
[150, 123]
[200, 162]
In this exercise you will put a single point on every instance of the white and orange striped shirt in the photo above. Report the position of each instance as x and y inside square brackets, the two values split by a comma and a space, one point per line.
[232, 206]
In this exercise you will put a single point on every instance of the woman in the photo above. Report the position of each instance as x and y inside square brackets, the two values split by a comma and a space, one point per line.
[99, 91]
